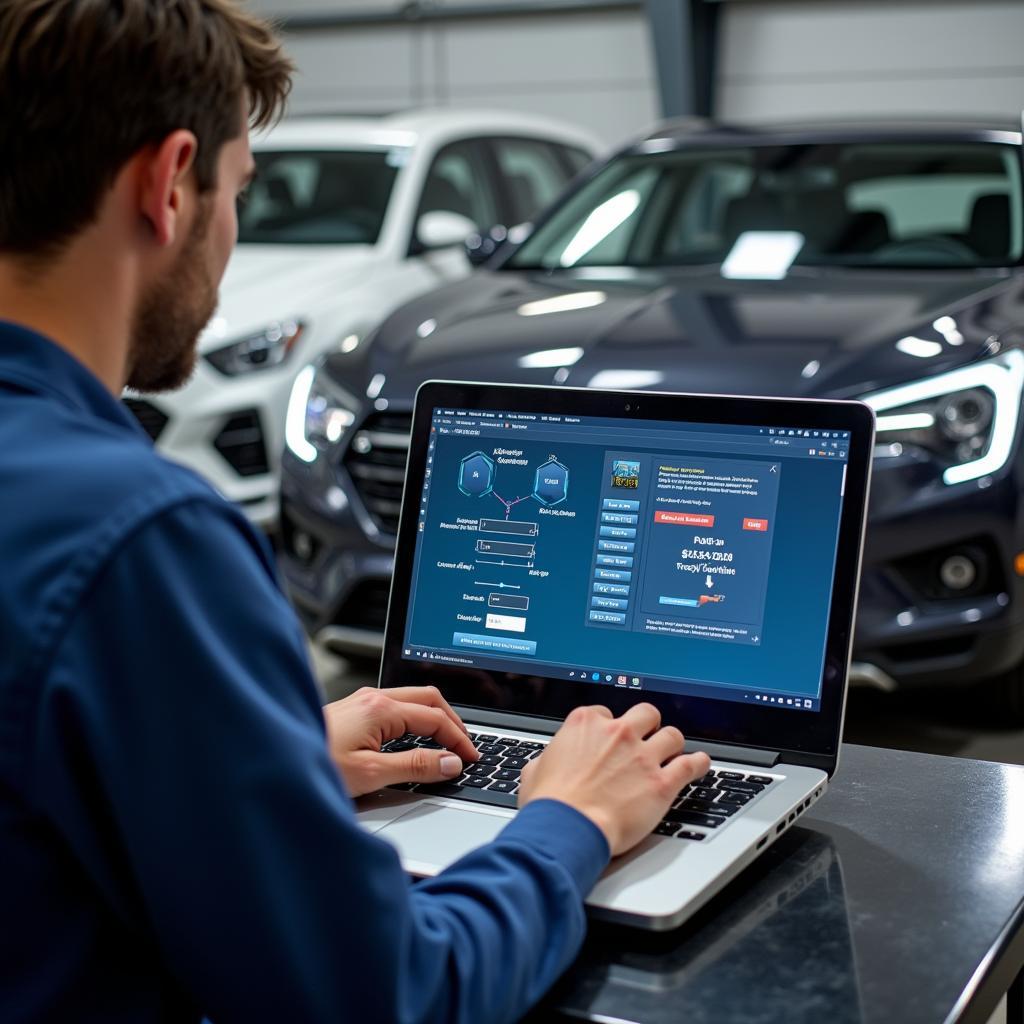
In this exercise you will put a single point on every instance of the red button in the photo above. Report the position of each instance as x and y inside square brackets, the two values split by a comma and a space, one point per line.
[760, 525]
[684, 519]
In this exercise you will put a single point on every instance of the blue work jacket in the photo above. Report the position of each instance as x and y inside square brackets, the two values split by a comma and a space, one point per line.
[175, 841]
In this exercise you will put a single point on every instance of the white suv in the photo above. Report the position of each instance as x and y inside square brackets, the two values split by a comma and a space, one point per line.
[347, 219]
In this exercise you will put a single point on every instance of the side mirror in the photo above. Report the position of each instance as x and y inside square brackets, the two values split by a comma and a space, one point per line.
[441, 229]
[480, 248]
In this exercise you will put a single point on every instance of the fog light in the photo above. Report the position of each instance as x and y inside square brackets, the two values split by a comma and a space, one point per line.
[958, 572]
[302, 544]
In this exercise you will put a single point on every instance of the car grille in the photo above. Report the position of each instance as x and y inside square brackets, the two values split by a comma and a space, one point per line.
[366, 607]
[240, 442]
[376, 462]
[152, 419]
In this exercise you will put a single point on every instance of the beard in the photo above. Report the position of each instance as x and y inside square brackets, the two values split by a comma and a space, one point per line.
[172, 313]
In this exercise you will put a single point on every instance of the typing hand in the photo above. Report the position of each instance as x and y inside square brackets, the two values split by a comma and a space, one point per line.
[360, 724]
[622, 773]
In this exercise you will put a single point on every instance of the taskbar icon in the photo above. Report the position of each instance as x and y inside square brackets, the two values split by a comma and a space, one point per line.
[804, 703]
[616, 678]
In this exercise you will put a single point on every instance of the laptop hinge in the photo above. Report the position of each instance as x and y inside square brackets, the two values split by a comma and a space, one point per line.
[743, 755]
[548, 726]
[502, 720]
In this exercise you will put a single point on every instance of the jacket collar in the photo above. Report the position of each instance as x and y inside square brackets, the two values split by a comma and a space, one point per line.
[31, 362]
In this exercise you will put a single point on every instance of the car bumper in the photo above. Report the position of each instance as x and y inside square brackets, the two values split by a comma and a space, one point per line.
[911, 630]
[336, 562]
[229, 430]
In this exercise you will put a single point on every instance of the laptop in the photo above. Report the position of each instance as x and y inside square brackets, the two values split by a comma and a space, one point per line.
[561, 546]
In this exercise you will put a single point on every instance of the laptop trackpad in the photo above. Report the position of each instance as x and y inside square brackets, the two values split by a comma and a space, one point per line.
[434, 836]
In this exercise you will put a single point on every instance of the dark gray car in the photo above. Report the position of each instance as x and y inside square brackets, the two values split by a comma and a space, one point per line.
[873, 261]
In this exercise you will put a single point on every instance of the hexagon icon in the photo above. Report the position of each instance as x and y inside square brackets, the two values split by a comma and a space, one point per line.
[476, 475]
[551, 484]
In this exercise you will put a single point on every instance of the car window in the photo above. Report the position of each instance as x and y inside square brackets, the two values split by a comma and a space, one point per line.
[941, 202]
[532, 173]
[920, 204]
[457, 183]
[699, 202]
[576, 158]
[338, 197]
[595, 230]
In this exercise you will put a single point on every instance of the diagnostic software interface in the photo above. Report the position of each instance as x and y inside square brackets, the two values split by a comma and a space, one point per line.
[687, 558]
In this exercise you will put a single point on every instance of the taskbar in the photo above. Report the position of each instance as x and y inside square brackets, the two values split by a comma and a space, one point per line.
[616, 678]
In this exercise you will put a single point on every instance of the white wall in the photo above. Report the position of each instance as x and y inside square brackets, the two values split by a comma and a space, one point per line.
[850, 57]
[778, 59]
[593, 68]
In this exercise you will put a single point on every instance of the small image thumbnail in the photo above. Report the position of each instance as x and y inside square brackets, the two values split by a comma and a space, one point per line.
[625, 474]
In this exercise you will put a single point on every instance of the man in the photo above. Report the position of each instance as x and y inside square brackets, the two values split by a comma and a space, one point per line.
[176, 831]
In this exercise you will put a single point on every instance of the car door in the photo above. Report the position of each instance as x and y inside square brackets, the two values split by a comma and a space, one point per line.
[456, 183]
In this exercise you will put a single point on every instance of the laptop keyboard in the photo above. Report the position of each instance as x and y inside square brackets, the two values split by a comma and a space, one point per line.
[699, 809]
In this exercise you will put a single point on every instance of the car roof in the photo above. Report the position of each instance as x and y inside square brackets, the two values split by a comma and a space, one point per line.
[683, 131]
[415, 126]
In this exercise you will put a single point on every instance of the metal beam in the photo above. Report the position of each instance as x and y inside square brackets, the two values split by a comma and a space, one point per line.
[705, 36]
[424, 11]
[684, 35]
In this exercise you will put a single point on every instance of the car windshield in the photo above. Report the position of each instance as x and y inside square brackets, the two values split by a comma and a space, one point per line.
[865, 204]
[308, 198]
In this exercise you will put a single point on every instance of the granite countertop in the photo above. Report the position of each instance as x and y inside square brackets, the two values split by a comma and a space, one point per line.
[899, 898]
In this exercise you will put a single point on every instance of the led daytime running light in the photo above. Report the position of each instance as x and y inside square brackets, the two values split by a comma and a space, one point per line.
[1003, 377]
[295, 419]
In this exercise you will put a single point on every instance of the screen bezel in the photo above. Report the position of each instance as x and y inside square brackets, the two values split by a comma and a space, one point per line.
[805, 737]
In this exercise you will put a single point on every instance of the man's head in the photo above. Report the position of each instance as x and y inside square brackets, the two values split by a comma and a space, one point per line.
[130, 119]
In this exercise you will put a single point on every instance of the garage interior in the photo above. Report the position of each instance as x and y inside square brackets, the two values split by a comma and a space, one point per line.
[616, 68]
[417, 415]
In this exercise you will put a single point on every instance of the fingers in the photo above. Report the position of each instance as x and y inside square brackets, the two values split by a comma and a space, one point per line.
[644, 718]
[687, 768]
[427, 695]
[581, 713]
[419, 765]
[666, 743]
[432, 721]
[526, 781]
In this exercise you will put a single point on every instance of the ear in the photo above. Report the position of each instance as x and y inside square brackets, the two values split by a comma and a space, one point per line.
[165, 177]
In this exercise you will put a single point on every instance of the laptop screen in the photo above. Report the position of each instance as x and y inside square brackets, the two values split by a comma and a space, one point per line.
[687, 559]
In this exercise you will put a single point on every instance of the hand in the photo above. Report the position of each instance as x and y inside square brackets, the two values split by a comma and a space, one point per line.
[359, 725]
[622, 773]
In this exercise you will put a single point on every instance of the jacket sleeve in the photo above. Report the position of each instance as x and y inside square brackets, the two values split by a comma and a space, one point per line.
[179, 751]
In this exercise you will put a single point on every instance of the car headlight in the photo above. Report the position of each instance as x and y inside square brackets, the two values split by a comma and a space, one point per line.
[967, 418]
[318, 415]
[263, 350]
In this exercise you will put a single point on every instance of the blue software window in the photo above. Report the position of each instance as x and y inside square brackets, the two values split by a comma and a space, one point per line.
[687, 558]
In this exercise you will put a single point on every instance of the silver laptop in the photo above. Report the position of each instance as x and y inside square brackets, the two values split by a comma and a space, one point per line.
[561, 546]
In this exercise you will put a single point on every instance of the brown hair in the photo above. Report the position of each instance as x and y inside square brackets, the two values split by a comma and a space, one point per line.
[86, 84]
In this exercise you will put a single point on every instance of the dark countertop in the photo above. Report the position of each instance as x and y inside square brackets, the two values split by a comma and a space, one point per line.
[899, 898]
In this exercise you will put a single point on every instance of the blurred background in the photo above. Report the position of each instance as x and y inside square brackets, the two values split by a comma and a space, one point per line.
[615, 67]
[469, 121]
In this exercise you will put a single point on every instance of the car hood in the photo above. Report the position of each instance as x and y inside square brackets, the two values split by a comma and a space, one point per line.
[264, 283]
[816, 333]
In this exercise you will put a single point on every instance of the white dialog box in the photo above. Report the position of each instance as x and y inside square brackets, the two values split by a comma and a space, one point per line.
[510, 623]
